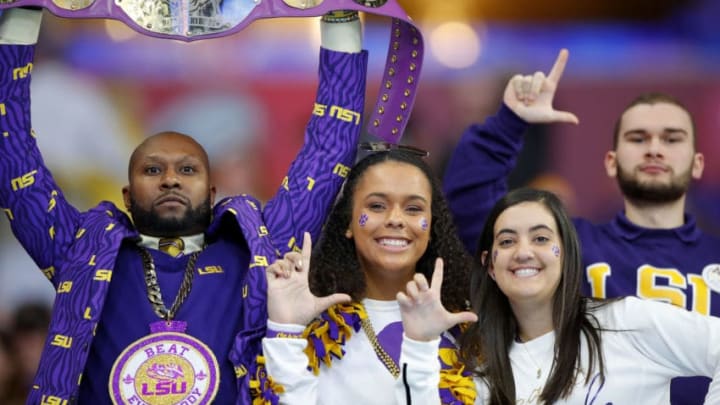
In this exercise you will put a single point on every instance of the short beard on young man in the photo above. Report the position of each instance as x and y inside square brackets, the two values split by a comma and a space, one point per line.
[195, 220]
[635, 190]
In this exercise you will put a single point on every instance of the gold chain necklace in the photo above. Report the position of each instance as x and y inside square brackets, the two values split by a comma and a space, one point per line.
[153, 289]
[539, 369]
[381, 353]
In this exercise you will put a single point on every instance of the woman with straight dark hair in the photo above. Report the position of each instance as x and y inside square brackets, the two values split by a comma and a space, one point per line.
[538, 341]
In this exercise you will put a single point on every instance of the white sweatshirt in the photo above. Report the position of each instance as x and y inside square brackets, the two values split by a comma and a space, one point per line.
[359, 377]
[645, 344]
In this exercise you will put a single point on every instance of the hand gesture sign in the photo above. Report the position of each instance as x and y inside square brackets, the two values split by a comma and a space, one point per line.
[423, 316]
[531, 96]
[289, 299]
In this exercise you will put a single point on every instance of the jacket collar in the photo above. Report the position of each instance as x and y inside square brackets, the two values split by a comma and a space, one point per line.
[687, 232]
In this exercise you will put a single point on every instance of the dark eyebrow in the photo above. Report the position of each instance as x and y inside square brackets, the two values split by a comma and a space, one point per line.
[183, 159]
[385, 196]
[505, 230]
[417, 197]
[380, 195]
[675, 131]
[532, 229]
[539, 227]
[152, 158]
[665, 130]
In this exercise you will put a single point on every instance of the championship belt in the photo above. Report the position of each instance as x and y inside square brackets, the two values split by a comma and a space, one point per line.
[191, 20]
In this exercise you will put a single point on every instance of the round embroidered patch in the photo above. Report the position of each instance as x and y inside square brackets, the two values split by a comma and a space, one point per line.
[711, 275]
[163, 369]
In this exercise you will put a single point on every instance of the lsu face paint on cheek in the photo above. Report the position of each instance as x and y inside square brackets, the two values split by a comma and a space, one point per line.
[363, 219]
[423, 223]
[494, 256]
[556, 250]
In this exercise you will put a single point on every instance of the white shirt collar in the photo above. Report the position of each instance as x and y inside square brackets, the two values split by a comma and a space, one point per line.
[193, 243]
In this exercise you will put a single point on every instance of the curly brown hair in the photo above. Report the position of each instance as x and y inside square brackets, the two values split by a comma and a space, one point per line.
[335, 266]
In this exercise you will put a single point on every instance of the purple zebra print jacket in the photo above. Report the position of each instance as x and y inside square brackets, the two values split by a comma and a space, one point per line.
[80, 248]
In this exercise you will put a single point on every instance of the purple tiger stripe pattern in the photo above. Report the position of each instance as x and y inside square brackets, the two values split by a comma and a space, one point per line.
[304, 200]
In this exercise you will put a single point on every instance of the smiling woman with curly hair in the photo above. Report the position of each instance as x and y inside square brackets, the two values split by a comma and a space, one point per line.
[384, 288]
[337, 266]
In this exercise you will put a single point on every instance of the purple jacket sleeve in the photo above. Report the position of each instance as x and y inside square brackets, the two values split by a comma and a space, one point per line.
[476, 175]
[40, 217]
[308, 191]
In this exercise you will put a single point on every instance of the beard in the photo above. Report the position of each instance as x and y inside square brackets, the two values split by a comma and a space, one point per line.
[652, 192]
[196, 220]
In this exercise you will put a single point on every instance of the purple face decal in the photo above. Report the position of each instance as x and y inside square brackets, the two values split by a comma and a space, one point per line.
[424, 223]
[494, 256]
[363, 219]
[556, 250]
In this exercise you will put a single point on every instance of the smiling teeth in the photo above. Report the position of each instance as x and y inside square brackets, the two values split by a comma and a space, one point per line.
[526, 272]
[393, 242]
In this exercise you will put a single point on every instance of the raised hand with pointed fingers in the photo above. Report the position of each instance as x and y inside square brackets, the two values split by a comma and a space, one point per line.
[531, 96]
[423, 316]
[289, 300]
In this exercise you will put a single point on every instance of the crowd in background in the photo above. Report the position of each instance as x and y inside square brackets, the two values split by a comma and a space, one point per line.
[22, 335]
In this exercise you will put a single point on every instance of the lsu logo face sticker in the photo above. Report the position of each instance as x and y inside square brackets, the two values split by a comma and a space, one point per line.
[556, 250]
[363, 219]
[165, 368]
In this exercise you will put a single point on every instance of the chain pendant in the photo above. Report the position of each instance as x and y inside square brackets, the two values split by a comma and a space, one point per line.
[381, 353]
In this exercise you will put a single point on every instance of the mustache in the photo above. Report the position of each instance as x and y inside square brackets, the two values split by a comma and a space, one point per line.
[171, 196]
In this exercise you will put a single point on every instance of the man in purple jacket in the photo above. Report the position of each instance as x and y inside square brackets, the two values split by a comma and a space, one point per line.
[185, 310]
[653, 248]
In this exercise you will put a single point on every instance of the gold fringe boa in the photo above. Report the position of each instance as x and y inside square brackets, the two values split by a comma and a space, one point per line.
[455, 379]
[332, 333]
[263, 390]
